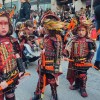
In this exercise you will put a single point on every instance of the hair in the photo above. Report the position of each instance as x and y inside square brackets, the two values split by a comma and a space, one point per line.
[5, 14]
[27, 0]
[29, 23]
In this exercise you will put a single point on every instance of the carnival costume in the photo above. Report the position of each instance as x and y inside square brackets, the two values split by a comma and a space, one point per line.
[49, 64]
[81, 54]
[10, 64]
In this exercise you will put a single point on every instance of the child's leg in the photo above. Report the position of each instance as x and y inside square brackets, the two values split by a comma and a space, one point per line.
[39, 90]
[53, 86]
[10, 95]
[77, 81]
[83, 79]
[76, 85]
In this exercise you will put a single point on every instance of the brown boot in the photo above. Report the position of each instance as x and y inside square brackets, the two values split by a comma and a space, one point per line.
[83, 92]
[36, 97]
[83, 80]
[10, 97]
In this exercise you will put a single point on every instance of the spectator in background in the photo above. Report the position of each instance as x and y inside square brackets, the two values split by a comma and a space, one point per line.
[97, 16]
[25, 10]
[97, 13]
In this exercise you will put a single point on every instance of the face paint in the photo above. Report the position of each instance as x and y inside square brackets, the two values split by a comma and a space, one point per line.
[3, 23]
[4, 26]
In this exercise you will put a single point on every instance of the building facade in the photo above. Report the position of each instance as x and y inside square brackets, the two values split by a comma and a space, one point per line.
[40, 4]
[54, 5]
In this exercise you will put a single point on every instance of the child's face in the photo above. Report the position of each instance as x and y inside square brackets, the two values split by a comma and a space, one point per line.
[4, 26]
[30, 29]
[82, 32]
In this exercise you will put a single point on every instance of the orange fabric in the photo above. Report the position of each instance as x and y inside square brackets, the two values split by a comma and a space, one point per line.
[35, 22]
[11, 13]
[85, 65]
[0, 5]
[44, 83]
[98, 32]
[71, 25]
[51, 68]
[58, 37]
[43, 59]
[10, 81]
[48, 61]
[66, 36]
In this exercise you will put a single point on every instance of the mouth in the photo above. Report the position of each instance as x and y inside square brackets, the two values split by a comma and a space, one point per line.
[3, 31]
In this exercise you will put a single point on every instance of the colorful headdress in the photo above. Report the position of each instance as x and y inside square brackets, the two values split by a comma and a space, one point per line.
[85, 21]
[51, 21]
[49, 15]
[8, 13]
[53, 25]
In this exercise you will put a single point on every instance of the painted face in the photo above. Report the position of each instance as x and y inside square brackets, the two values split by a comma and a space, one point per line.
[4, 26]
[82, 19]
[82, 32]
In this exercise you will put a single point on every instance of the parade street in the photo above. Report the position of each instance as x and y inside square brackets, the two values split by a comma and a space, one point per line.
[27, 86]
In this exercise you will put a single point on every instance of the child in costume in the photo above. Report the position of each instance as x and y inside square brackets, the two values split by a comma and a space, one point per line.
[11, 67]
[81, 53]
[50, 59]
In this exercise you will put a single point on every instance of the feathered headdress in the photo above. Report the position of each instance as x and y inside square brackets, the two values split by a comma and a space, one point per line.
[53, 25]
[51, 21]
[85, 21]
[49, 15]
[8, 13]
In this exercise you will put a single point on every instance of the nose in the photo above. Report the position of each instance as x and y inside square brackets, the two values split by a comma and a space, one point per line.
[3, 26]
[81, 31]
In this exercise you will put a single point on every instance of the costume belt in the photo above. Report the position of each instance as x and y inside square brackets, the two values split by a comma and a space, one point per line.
[11, 80]
[7, 76]
[82, 65]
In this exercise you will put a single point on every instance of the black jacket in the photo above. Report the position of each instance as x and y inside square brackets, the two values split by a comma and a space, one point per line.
[96, 3]
[25, 11]
[97, 12]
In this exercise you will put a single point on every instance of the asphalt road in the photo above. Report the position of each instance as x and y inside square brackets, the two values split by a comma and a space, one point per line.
[25, 90]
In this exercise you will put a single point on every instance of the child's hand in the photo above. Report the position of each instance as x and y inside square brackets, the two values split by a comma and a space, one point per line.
[3, 84]
[21, 74]
[65, 59]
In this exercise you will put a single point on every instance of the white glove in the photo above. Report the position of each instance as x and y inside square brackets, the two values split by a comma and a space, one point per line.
[21, 74]
[3, 84]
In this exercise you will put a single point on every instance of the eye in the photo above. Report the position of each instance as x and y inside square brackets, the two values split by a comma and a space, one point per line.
[0, 23]
[5, 23]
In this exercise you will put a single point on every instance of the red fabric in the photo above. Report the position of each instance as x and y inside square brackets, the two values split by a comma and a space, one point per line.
[82, 75]
[70, 74]
[93, 34]
[1, 97]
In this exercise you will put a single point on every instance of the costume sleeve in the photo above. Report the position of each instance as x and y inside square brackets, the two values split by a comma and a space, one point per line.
[92, 48]
[19, 60]
[20, 65]
[16, 47]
